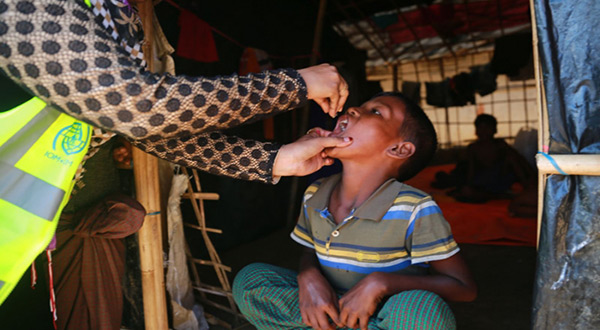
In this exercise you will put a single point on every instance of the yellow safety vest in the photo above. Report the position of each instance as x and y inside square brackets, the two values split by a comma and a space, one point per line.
[40, 151]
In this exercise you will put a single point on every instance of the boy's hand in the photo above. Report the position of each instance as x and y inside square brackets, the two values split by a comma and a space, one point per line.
[360, 302]
[318, 300]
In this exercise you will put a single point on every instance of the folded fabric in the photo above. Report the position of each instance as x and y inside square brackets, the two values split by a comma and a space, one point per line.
[196, 40]
[412, 90]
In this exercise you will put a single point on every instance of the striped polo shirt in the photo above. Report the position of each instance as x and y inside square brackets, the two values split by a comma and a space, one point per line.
[399, 229]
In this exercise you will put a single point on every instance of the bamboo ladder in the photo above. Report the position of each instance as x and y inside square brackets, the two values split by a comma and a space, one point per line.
[197, 198]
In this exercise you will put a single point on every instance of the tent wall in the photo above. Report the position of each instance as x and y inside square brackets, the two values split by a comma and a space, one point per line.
[567, 290]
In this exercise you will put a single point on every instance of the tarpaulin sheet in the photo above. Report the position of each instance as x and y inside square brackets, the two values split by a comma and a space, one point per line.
[567, 285]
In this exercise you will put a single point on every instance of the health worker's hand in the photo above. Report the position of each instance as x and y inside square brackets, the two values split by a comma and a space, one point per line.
[307, 154]
[325, 86]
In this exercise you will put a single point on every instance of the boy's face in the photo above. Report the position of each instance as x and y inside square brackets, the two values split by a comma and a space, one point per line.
[374, 127]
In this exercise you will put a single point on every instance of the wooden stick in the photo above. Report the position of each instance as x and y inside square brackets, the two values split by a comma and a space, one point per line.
[212, 290]
[206, 196]
[145, 168]
[188, 253]
[211, 263]
[570, 164]
[212, 230]
[542, 116]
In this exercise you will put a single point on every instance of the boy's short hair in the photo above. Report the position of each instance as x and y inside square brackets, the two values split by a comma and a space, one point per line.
[417, 129]
[486, 119]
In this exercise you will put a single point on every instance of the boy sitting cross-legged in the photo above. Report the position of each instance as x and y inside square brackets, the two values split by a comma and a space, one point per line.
[379, 254]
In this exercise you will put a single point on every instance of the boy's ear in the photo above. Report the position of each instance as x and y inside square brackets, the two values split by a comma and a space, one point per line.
[401, 150]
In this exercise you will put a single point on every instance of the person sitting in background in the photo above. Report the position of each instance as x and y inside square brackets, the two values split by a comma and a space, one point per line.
[379, 253]
[490, 169]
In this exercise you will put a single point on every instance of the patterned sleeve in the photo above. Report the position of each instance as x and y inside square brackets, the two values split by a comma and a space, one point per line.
[57, 51]
[302, 232]
[429, 237]
[217, 153]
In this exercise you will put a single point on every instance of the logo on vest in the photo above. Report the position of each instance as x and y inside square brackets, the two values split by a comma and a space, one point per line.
[72, 139]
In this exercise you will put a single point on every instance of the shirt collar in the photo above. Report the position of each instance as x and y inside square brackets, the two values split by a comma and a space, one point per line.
[374, 208]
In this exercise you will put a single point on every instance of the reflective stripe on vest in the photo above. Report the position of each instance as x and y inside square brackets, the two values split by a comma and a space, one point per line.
[40, 151]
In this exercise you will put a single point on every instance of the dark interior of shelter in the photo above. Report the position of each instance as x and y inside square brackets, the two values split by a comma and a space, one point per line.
[456, 59]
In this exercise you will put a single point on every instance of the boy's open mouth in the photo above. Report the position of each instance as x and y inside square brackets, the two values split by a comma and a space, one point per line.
[341, 126]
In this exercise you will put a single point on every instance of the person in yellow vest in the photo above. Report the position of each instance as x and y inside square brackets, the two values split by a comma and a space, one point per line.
[83, 73]
[40, 150]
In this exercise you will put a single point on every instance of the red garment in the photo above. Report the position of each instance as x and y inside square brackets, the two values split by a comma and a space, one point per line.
[195, 39]
[89, 263]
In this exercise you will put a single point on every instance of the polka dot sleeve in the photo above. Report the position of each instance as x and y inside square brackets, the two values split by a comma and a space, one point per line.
[217, 153]
[58, 51]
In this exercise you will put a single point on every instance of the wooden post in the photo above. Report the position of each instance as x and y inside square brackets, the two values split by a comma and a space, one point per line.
[543, 128]
[584, 164]
[145, 169]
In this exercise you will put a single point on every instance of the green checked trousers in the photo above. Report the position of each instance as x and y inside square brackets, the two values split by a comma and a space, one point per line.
[268, 297]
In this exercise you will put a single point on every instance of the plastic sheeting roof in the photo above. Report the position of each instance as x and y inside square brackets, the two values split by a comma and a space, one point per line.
[426, 29]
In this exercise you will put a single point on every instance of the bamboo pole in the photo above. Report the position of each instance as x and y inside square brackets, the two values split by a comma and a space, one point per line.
[588, 164]
[150, 241]
[543, 129]
[145, 169]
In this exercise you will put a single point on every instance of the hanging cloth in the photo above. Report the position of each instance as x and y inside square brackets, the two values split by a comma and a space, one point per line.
[196, 40]
[89, 263]
[483, 79]
[511, 53]
[412, 90]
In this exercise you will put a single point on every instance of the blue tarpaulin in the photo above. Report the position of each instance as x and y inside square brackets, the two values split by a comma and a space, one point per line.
[567, 286]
